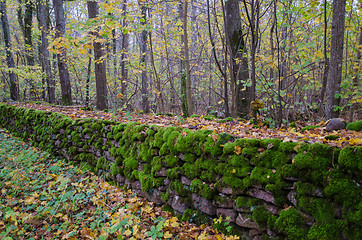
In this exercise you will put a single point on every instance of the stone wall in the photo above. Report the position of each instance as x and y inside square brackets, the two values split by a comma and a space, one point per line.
[264, 188]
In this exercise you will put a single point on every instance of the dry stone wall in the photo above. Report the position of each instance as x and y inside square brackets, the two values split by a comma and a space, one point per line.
[264, 188]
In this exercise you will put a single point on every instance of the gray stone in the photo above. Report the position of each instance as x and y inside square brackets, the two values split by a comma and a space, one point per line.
[156, 198]
[254, 232]
[257, 237]
[272, 208]
[226, 213]
[203, 205]
[243, 221]
[182, 156]
[261, 194]
[136, 185]
[120, 179]
[335, 124]
[271, 233]
[226, 191]
[225, 203]
[292, 197]
[166, 182]
[185, 181]
[140, 193]
[162, 173]
[177, 205]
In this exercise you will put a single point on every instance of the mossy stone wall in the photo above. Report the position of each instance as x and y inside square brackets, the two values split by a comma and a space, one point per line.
[265, 188]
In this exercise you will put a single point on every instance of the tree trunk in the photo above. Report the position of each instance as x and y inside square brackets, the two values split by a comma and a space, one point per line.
[336, 60]
[124, 50]
[187, 61]
[99, 63]
[62, 56]
[326, 60]
[44, 52]
[184, 103]
[143, 48]
[356, 79]
[239, 65]
[9, 56]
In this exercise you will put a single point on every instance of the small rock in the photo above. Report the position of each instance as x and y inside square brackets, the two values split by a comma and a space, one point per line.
[226, 191]
[185, 181]
[156, 198]
[225, 203]
[292, 197]
[335, 124]
[226, 213]
[203, 205]
[272, 208]
[263, 195]
[244, 221]
[177, 205]
[162, 173]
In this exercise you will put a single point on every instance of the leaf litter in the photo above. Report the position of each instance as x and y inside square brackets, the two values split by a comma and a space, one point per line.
[238, 128]
[45, 198]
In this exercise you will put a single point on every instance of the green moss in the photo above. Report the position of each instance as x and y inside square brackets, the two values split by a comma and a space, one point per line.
[100, 163]
[168, 208]
[130, 164]
[272, 159]
[261, 216]
[202, 189]
[85, 166]
[189, 158]
[310, 161]
[195, 217]
[171, 161]
[165, 196]
[190, 170]
[350, 158]
[179, 188]
[262, 176]
[233, 182]
[173, 173]
[115, 169]
[250, 151]
[332, 137]
[156, 164]
[86, 147]
[355, 126]
[309, 128]
[208, 176]
[329, 231]
[291, 223]
[171, 139]
[344, 191]
[72, 150]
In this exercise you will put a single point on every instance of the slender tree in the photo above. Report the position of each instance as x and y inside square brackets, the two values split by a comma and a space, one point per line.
[143, 62]
[9, 55]
[100, 65]
[239, 65]
[42, 14]
[336, 59]
[62, 56]
[187, 60]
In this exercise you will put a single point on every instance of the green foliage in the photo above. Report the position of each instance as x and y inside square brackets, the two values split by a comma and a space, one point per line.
[291, 223]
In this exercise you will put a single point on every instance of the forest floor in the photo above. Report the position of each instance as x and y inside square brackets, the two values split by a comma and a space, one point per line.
[238, 128]
[44, 198]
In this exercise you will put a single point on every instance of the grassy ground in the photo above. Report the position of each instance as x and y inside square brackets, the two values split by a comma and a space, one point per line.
[44, 198]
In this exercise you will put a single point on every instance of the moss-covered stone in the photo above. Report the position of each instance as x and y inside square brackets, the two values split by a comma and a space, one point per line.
[180, 189]
[291, 223]
[355, 126]
[202, 189]
[350, 158]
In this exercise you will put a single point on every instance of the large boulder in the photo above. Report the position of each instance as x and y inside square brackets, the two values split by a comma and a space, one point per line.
[335, 124]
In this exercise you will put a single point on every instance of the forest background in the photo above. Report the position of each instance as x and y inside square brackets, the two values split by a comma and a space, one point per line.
[283, 60]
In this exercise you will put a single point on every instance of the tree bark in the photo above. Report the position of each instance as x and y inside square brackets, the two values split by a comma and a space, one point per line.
[124, 50]
[143, 48]
[239, 65]
[44, 52]
[99, 62]
[62, 56]
[187, 61]
[9, 55]
[336, 60]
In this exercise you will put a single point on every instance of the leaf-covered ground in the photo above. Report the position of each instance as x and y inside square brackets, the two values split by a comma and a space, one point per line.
[242, 129]
[44, 198]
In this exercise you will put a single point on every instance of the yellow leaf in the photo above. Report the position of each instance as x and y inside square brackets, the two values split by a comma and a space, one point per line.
[127, 232]
[237, 150]
[219, 237]
[233, 171]
[167, 235]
